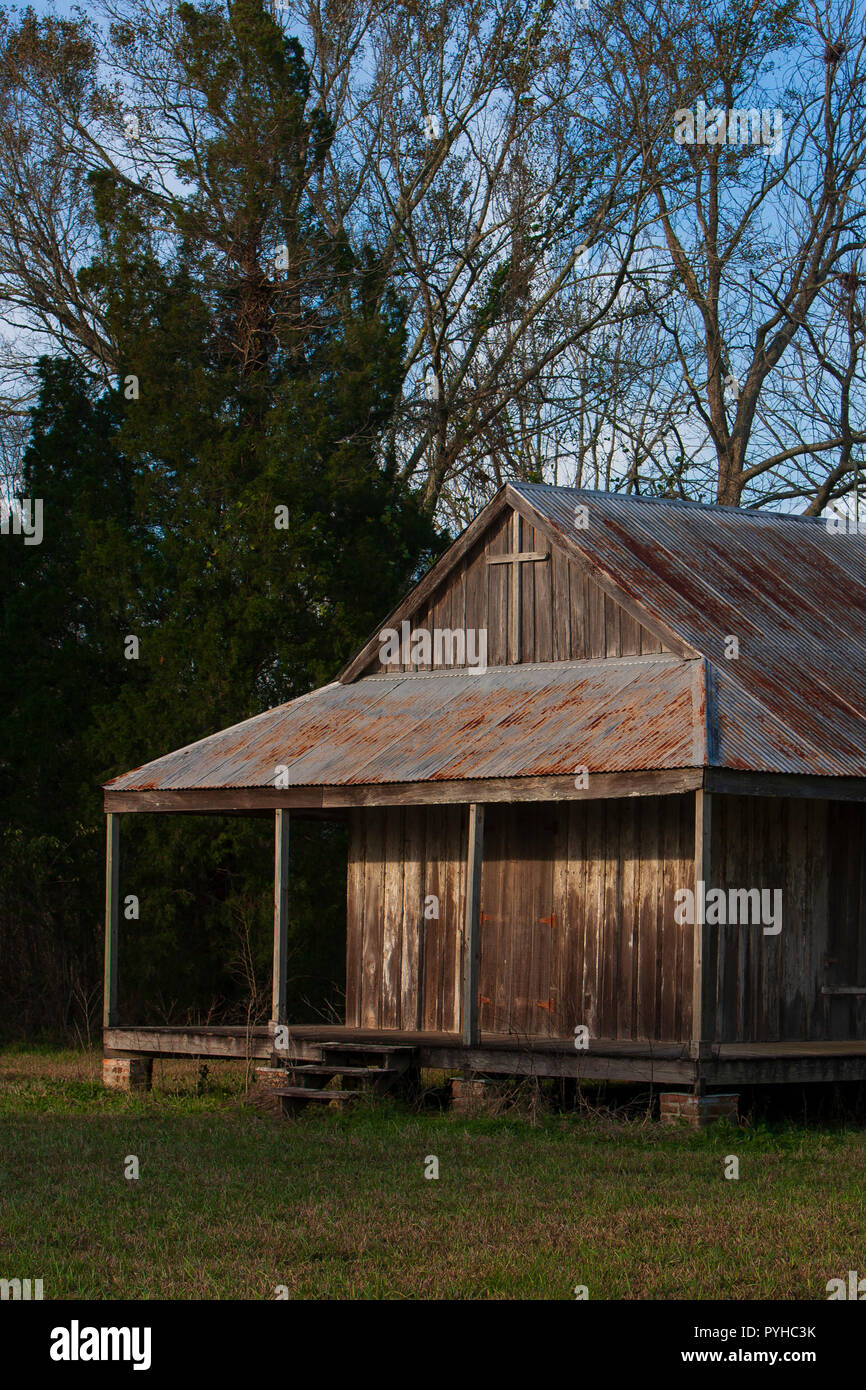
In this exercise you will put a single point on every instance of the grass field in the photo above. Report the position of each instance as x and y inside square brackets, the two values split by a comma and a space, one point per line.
[232, 1203]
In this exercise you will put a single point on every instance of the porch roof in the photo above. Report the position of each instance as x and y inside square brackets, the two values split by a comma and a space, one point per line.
[623, 714]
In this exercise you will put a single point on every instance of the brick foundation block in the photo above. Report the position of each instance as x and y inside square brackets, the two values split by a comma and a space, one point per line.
[267, 1081]
[270, 1078]
[127, 1073]
[476, 1096]
[698, 1111]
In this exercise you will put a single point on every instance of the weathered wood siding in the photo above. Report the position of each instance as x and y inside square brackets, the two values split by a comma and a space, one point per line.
[577, 921]
[403, 968]
[565, 616]
[577, 918]
[769, 988]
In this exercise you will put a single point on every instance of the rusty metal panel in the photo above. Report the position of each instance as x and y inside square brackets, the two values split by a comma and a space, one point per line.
[623, 714]
[791, 591]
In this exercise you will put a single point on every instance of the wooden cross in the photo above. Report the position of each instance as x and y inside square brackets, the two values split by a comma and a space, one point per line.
[517, 558]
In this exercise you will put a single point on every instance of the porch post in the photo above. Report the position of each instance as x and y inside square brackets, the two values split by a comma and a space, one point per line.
[703, 979]
[281, 916]
[472, 926]
[112, 901]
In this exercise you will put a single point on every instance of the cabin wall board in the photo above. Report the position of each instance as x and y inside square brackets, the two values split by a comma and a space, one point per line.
[752, 968]
[769, 988]
[565, 616]
[578, 925]
[403, 968]
[578, 919]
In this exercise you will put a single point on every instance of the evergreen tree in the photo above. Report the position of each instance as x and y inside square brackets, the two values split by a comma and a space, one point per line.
[235, 514]
[60, 607]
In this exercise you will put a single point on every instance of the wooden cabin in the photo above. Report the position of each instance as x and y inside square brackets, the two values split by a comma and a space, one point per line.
[593, 708]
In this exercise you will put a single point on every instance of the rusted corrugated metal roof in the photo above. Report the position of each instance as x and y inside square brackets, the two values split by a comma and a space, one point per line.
[628, 713]
[792, 592]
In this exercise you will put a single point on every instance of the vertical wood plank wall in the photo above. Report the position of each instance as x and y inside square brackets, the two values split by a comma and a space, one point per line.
[404, 969]
[769, 988]
[565, 616]
[577, 919]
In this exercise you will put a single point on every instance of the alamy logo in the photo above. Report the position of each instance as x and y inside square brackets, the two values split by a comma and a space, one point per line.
[20, 1289]
[23, 517]
[856, 1287]
[444, 646]
[716, 126]
[737, 906]
[76, 1343]
[847, 521]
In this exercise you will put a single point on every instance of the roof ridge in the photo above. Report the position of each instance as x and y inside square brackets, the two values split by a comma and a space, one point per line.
[686, 503]
[636, 659]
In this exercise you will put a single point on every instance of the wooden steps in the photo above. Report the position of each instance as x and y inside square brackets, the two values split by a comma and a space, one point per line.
[371, 1047]
[373, 1066]
[339, 1069]
[295, 1098]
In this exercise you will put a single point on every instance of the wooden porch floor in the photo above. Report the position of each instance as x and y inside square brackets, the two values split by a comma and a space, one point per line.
[511, 1054]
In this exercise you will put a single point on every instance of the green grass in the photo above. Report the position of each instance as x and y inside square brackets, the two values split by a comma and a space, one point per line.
[231, 1203]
